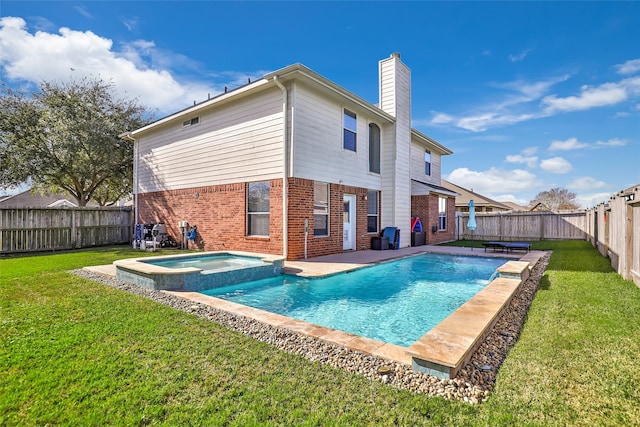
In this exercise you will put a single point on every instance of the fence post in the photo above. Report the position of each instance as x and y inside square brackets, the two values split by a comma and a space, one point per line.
[74, 238]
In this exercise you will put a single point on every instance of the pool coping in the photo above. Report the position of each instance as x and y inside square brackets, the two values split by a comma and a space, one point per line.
[442, 351]
[139, 264]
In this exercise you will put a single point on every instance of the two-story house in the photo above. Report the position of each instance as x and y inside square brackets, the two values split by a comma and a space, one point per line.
[294, 164]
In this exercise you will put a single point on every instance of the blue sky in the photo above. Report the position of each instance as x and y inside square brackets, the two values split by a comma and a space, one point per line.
[529, 95]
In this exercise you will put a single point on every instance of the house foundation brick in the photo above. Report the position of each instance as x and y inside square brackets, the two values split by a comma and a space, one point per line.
[426, 207]
[219, 212]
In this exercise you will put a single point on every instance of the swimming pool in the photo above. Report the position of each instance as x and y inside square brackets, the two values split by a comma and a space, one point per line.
[395, 302]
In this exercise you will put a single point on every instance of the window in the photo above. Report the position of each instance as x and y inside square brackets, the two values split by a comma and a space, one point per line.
[374, 148]
[427, 162]
[442, 213]
[320, 209]
[372, 211]
[258, 208]
[350, 126]
[191, 122]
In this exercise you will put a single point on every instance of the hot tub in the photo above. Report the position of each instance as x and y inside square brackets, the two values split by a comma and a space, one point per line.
[195, 272]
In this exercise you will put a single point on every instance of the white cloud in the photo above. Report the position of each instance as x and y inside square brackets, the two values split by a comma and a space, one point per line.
[130, 23]
[606, 94]
[139, 70]
[594, 96]
[511, 198]
[441, 118]
[84, 12]
[555, 165]
[530, 151]
[485, 121]
[613, 142]
[589, 200]
[506, 111]
[520, 56]
[530, 161]
[494, 180]
[629, 67]
[585, 183]
[567, 145]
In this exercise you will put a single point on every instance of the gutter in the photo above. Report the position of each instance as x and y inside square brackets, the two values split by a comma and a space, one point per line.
[285, 169]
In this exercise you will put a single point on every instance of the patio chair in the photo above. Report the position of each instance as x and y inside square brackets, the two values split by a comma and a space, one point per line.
[393, 234]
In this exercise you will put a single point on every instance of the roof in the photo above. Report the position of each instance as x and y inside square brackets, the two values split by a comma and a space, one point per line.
[291, 72]
[27, 199]
[515, 206]
[466, 195]
[434, 188]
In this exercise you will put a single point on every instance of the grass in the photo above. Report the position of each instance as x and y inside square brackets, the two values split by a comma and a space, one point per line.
[75, 352]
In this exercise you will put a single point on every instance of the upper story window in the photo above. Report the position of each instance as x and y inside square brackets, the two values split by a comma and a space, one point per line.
[427, 162]
[191, 122]
[258, 206]
[350, 126]
[320, 209]
[374, 148]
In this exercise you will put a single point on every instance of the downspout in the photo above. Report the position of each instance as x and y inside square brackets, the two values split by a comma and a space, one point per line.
[285, 169]
[135, 177]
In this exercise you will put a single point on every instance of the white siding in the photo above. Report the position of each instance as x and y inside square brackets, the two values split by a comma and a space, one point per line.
[387, 87]
[241, 141]
[417, 164]
[317, 139]
[395, 99]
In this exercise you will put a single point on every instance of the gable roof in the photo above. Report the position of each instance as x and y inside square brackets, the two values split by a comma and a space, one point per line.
[27, 199]
[465, 195]
[297, 72]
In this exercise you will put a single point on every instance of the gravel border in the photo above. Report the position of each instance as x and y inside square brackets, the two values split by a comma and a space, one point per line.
[474, 381]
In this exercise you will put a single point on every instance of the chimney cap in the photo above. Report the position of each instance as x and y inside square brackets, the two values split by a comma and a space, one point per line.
[395, 55]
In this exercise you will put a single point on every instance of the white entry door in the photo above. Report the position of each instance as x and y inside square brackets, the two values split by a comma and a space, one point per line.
[349, 222]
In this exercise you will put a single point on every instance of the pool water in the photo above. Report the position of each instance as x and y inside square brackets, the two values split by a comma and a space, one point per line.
[395, 302]
[209, 262]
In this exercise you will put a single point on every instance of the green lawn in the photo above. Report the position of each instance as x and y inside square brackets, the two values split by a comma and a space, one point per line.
[75, 352]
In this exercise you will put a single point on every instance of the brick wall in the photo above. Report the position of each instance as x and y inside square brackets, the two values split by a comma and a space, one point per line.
[301, 208]
[426, 207]
[219, 212]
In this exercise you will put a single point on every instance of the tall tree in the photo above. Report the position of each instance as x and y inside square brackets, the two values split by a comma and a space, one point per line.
[65, 138]
[556, 199]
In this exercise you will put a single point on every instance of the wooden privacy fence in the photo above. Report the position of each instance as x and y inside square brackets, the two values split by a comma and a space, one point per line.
[44, 229]
[528, 226]
[614, 229]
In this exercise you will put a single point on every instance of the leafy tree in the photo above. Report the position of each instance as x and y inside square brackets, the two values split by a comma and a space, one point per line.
[65, 138]
[556, 199]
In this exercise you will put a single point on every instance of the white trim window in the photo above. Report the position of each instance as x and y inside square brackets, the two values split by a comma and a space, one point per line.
[320, 209]
[258, 206]
[350, 131]
[373, 212]
[427, 162]
[374, 148]
[442, 213]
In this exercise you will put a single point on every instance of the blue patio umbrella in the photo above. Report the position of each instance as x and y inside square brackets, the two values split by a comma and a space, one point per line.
[471, 225]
